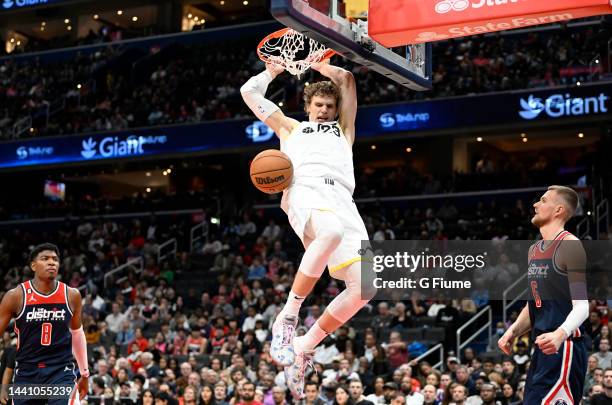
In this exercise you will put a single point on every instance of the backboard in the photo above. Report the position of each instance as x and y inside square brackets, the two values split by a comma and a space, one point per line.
[326, 21]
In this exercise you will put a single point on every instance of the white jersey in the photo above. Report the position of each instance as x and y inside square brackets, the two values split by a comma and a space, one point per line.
[320, 150]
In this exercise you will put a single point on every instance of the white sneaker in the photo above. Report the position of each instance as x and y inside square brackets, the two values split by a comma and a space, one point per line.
[281, 348]
[295, 373]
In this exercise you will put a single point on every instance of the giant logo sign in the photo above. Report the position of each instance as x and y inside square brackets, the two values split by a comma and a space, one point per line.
[13, 4]
[115, 146]
[562, 105]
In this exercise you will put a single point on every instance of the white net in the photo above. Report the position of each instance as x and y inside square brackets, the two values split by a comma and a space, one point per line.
[417, 55]
[293, 51]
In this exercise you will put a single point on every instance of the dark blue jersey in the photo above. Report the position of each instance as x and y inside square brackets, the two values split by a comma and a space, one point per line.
[43, 328]
[550, 300]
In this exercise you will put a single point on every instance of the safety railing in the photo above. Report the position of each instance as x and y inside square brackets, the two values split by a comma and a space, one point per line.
[512, 287]
[437, 348]
[198, 233]
[137, 263]
[602, 214]
[168, 248]
[485, 311]
[583, 229]
[21, 126]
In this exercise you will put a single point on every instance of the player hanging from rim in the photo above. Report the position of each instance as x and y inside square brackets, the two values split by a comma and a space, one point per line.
[319, 207]
[557, 306]
[50, 335]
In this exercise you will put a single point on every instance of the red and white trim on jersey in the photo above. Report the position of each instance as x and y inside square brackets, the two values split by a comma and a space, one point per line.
[561, 389]
[33, 297]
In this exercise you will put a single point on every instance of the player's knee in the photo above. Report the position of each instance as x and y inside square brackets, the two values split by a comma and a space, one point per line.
[331, 237]
[368, 291]
[361, 290]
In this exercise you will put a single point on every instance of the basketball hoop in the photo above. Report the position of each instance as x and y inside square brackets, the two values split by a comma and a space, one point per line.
[292, 50]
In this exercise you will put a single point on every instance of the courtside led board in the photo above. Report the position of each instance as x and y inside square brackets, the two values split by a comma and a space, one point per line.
[398, 22]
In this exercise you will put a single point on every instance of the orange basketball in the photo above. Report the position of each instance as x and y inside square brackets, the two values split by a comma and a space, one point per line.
[271, 171]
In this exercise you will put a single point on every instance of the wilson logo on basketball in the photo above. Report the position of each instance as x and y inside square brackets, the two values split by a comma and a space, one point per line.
[445, 6]
[269, 180]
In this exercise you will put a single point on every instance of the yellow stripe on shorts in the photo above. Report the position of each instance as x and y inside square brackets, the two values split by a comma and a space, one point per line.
[345, 264]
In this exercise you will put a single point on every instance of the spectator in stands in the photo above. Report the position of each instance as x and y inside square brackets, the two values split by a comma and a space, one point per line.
[459, 394]
[401, 319]
[510, 372]
[383, 319]
[343, 396]
[606, 396]
[604, 356]
[378, 395]
[311, 392]
[356, 391]
[594, 325]
[462, 376]
[592, 368]
[396, 350]
[488, 394]
[115, 319]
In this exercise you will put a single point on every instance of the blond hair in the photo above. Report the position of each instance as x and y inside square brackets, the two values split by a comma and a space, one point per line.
[321, 89]
[569, 198]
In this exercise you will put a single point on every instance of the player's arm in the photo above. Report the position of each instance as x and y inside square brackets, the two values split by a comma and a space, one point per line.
[253, 93]
[348, 96]
[572, 258]
[10, 306]
[79, 343]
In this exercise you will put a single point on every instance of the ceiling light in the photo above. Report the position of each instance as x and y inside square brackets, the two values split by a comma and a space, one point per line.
[525, 140]
[222, 2]
[43, 23]
[169, 171]
[196, 18]
[280, 104]
[18, 43]
[119, 12]
[245, 2]
[148, 189]
[134, 18]
[479, 139]
[42, 28]
[79, 86]
[408, 150]
[69, 27]
[66, 21]
[165, 172]
[523, 135]
[189, 15]
[148, 174]
[578, 84]
[581, 135]
[12, 39]
[96, 16]
[373, 147]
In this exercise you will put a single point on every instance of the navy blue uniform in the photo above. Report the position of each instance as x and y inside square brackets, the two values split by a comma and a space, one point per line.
[44, 342]
[556, 379]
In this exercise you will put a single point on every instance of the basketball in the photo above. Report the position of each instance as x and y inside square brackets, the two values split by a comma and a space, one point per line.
[271, 171]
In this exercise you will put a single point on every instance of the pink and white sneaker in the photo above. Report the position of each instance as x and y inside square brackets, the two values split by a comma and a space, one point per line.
[281, 348]
[296, 373]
